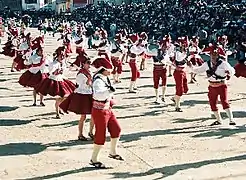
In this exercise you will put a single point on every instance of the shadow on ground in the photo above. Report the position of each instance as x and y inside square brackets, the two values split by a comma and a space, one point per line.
[14, 122]
[8, 108]
[173, 169]
[24, 148]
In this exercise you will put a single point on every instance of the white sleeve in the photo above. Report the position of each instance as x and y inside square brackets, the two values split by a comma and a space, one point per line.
[81, 79]
[100, 92]
[229, 68]
[203, 68]
[29, 61]
[52, 68]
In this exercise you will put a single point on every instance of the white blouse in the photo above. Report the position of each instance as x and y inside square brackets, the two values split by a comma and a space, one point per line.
[35, 60]
[222, 70]
[83, 87]
[56, 66]
[100, 91]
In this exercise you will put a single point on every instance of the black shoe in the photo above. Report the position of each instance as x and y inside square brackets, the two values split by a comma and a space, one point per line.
[34, 104]
[178, 110]
[42, 104]
[232, 123]
[215, 123]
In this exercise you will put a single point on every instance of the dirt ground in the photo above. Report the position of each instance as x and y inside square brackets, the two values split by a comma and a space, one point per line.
[156, 142]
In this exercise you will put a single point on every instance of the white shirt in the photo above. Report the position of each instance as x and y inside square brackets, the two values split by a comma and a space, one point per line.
[35, 59]
[171, 50]
[100, 91]
[221, 70]
[83, 88]
[55, 65]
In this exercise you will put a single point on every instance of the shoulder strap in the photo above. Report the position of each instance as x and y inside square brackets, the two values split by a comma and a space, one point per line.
[212, 70]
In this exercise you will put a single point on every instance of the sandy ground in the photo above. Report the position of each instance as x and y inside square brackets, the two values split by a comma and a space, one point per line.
[156, 142]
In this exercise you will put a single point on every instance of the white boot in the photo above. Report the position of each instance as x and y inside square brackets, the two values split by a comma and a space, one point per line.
[163, 93]
[114, 78]
[135, 85]
[177, 104]
[117, 77]
[96, 150]
[230, 116]
[113, 146]
[156, 96]
[218, 118]
[131, 90]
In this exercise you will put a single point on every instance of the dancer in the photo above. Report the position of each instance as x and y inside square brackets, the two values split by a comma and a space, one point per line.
[161, 60]
[217, 70]
[179, 74]
[116, 55]
[56, 84]
[80, 101]
[134, 51]
[194, 57]
[102, 113]
[143, 41]
[35, 74]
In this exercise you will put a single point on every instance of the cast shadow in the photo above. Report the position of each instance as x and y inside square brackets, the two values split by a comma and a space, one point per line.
[236, 114]
[8, 108]
[68, 143]
[14, 122]
[64, 173]
[222, 133]
[193, 102]
[140, 97]
[184, 120]
[138, 135]
[66, 124]
[21, 149]
[173, 169]
[3, 88]
[3, 80]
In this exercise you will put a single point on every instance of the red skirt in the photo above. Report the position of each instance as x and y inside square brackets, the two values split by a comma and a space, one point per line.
[240, 70]
[55, 88]
[9, 52]
[77, 103]
[196, 61]
[29, 79]
[19, 63]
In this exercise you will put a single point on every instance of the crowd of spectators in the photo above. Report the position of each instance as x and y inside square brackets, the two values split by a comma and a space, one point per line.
[179, 18]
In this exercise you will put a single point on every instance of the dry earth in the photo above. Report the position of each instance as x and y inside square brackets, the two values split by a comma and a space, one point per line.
[156, 142]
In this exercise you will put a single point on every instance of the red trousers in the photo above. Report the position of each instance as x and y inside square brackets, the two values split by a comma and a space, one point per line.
[105, 119]
[134, 70]
[117, 64]
[181, 82]
[159, 73]
[214, 92]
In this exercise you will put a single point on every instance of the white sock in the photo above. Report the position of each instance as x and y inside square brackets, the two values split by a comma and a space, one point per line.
[96, 150]
[217, 115]
[229, 114]
[131, 86]
[113, 146]
[177, 101]
[156, 95]
[163, 91]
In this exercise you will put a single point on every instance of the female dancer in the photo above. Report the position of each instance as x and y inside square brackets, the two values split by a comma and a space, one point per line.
[56, 85]
[80, 101]
[35, 74]
[194, 57]
[217, 71]
[102, 113]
